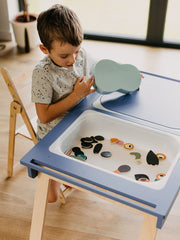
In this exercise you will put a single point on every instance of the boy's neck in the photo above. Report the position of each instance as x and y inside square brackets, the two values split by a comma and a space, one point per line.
[54, 62]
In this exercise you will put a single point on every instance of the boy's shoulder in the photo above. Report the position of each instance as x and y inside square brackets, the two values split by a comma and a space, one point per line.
[82, 53]
[44, 63]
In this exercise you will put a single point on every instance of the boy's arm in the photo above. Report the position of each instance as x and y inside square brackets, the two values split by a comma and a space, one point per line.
[48, 112]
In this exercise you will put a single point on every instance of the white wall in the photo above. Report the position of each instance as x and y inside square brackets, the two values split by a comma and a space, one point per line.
[8, 9]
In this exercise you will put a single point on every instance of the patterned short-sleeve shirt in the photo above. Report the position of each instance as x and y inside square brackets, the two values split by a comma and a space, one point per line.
[51, 83]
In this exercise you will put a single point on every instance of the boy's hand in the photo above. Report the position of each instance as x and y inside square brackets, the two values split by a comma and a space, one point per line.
[83, 87]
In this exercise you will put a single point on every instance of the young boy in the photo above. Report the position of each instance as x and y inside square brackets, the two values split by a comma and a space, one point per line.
[62, 78]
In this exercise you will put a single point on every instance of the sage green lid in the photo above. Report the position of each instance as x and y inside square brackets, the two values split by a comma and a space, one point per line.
[111, 76]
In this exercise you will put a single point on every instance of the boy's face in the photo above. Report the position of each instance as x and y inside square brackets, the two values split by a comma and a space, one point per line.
[62, 54]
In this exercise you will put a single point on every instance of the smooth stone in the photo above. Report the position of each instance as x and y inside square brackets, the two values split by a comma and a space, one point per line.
[86, 145]
[97, 148]
[99, 138]
[94, 140]
[124, 168]
[79, 153]
[76, 149]
[106, 154]
[87, 139]
[152, 159]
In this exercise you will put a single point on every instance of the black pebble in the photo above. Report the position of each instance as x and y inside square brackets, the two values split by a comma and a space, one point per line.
[77, 151]
[152, 159]
[99, 138]
[97, 148]
[87, 139]
[94, 140]
[86, 145]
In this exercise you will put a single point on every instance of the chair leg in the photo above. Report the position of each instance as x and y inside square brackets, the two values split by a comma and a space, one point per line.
[12, 126]
[63, 194]
[62, 197]
[29, 125]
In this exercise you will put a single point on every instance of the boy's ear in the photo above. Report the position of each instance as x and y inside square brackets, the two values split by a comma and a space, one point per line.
[43, 49]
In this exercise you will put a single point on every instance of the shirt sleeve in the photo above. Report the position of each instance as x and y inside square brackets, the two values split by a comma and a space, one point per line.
[42, 90]
[90, 63]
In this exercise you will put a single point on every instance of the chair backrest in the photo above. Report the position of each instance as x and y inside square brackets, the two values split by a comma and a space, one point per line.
[17, 99]
[11, 86]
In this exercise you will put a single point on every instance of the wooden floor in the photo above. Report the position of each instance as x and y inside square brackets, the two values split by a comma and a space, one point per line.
[84, 217]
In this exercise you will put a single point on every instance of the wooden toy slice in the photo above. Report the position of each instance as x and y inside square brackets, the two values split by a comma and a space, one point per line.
[128, 146]
[114, 140]
[161, 156]
[111, 76]
[142, 177]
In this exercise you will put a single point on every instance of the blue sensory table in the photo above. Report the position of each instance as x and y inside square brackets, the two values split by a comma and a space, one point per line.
[152, 110]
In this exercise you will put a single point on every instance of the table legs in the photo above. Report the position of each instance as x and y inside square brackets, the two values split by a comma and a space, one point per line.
[149, 230]
[40, 204]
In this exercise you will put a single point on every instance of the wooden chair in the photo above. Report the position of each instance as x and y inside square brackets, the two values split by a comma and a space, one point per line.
[16, 107]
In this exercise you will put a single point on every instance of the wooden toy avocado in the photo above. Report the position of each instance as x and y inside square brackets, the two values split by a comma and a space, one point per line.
[111, 76]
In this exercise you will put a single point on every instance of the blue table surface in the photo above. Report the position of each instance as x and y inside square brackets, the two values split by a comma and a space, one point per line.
[155, 102]
[157, 202]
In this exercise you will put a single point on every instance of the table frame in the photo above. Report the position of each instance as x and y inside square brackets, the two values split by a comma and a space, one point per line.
[148, 230]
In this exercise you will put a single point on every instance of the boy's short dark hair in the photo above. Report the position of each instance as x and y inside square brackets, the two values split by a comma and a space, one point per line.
[59, 23]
